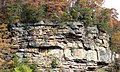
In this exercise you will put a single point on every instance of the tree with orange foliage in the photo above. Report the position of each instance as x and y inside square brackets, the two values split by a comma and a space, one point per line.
[56, 8]
[87, 11]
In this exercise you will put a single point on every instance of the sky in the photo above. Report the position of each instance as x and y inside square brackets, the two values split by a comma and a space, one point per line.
[113, 4]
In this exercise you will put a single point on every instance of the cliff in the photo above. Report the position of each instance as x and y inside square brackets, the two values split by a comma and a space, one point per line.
[64, 47]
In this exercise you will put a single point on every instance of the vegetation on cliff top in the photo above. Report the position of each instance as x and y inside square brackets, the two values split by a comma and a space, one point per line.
[31, 11]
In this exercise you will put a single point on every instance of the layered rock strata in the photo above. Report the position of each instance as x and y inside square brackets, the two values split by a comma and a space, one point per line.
[66, 47]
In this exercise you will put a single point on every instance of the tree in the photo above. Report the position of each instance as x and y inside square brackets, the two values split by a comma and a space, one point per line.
[56, 9]
[31, 14]
[10, 11]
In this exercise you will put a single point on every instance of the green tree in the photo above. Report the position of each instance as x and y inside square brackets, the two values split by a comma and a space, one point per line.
[13, 12]
[32, 14]
[10, 11]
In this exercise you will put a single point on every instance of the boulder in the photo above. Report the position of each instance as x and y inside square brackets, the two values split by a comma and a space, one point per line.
[56, 53]
[104, 55]
[68, 55]
[91, 55]
[78, 53]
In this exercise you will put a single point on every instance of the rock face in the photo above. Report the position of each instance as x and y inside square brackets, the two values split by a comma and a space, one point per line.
[73, 46]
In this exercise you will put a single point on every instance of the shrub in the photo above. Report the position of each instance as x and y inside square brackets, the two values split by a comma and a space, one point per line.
[22, 68]
[54, 63]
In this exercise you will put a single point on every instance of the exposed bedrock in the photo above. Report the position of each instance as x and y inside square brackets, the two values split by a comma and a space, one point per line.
[72, 45]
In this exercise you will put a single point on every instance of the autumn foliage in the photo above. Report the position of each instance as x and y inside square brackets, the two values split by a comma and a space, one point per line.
[13, 11]
[56, 7]
[6, 53]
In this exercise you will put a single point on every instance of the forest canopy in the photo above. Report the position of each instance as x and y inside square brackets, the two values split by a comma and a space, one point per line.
[31, 11]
